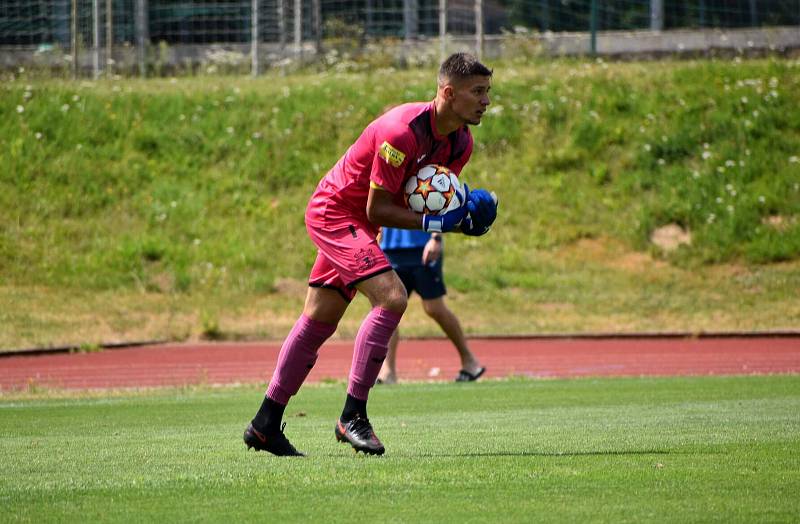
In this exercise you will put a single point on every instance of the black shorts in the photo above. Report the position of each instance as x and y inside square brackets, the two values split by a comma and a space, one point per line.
[426, 280]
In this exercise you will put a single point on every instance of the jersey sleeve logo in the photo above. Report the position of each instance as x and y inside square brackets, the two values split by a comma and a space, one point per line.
[391, 154]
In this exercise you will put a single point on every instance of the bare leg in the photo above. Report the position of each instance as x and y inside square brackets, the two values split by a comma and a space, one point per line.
[388, 374]
[447, 320]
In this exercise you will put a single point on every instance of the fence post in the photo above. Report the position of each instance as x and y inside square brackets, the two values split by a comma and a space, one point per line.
[281, 14]
[254, 40]
[410, 20]
[593, 27]
[753, 13]
[96, 38]
[109, 37]
[656, 15]
[702, 13]
[142, 36]
[370, 18]
[298, 28]
[443, 29]
[545, 6]
[479, 28]
[316, 9]
[73, 35]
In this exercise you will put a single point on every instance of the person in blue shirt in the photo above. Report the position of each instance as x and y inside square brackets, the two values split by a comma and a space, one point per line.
[417, 256]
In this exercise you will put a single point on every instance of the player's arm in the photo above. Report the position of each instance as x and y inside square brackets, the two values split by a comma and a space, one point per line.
[382, 211]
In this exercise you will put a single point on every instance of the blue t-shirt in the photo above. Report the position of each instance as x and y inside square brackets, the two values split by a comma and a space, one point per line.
[392, 238]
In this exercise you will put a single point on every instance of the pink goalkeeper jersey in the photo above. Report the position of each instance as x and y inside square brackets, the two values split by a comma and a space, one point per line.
[392, 148]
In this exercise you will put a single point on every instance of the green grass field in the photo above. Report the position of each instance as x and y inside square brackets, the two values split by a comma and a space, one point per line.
[604, 450]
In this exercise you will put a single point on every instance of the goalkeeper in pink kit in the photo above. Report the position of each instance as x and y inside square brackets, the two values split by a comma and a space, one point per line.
[363, 192]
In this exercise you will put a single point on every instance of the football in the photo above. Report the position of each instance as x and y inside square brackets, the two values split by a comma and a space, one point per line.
[434, 190]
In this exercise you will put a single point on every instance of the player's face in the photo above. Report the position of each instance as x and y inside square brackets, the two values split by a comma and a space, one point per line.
[471, 98]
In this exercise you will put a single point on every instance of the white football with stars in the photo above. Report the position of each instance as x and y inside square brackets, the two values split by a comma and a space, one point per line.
[434, 190]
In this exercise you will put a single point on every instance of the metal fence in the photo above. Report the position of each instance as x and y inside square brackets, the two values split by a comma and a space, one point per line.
[149, 36]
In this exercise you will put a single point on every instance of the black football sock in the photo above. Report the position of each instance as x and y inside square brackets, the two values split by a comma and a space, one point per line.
[269, 415]
[353, 407]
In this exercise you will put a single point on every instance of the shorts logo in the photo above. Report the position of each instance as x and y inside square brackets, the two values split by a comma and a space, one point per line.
[391, 154]
[365, 259]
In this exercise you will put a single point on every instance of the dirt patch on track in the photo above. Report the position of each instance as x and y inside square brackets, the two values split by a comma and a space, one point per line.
[226, 363]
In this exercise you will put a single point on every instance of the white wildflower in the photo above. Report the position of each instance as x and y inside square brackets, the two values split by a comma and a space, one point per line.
[794, 159]
[20, 109]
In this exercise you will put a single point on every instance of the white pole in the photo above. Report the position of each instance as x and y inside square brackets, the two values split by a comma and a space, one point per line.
[410, 19]
[96, 38]
[281, 15]
[443, 29]
[142, 36]
[656, 15]
[479, 28]
[254, 41]
[73, 35]
[109, 37]
[298, 27]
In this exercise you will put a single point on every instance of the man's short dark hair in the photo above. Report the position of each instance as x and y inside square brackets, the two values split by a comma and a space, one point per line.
[459, 66]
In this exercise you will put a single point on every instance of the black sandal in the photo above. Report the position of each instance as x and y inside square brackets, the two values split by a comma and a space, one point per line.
[466, 376]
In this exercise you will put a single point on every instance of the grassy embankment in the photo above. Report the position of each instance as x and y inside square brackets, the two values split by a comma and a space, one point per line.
[170, 209]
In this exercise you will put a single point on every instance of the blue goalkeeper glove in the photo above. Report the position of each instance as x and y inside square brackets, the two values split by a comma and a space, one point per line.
[481, 213]
[449, 221]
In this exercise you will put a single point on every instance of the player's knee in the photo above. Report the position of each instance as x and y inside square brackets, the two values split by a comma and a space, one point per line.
[434, 309]
[396, 300]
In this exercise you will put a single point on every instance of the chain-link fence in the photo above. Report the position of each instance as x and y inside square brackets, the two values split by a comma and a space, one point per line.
[153, 36]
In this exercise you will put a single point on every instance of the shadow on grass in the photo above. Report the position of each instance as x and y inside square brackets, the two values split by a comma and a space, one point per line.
[548, 453]
[526, 454]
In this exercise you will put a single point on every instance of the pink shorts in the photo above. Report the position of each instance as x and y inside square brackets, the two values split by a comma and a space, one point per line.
[348, 253]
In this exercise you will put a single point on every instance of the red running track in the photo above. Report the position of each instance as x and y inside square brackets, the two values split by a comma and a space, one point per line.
[433, 359]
